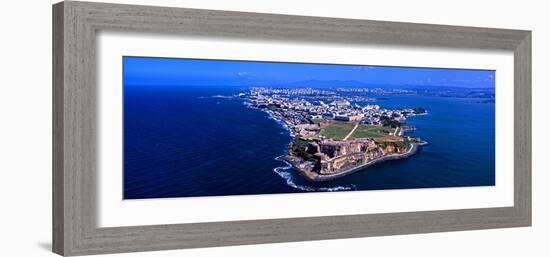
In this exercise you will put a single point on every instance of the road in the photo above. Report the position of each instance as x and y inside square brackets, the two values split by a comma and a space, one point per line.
[351, 132]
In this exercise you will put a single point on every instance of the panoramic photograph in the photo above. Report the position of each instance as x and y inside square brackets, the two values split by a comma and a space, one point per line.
[198, 127]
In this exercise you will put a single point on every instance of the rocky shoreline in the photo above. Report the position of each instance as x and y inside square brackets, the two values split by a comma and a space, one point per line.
[316, 177]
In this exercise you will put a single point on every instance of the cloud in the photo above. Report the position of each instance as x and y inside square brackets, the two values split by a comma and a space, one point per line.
[242, 73]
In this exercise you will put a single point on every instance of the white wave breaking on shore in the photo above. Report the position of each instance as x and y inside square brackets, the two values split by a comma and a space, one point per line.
[284, 173]
[281, 123]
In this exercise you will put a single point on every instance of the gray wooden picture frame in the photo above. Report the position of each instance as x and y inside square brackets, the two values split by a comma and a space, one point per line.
[75, 25]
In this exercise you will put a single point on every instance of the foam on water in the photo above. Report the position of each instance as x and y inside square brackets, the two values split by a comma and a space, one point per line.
[284, 173]
[282, 123]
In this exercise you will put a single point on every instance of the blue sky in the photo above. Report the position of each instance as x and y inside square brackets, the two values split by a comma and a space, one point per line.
[181, 72]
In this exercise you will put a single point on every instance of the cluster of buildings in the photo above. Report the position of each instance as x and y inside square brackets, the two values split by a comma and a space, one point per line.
[296, 110]
[290, 91]
[378, 91]
[331, 157]
[334, 156]
[306, 118]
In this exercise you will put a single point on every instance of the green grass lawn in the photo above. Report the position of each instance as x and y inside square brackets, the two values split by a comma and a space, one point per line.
[364, 131]
[337, 131]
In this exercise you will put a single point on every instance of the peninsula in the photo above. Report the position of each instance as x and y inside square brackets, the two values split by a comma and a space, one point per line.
[333, 137]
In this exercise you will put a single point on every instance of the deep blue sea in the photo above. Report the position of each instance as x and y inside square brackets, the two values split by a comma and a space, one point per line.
[192, 141]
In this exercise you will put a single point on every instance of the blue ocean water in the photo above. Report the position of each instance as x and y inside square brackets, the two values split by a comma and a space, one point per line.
[196, 141]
